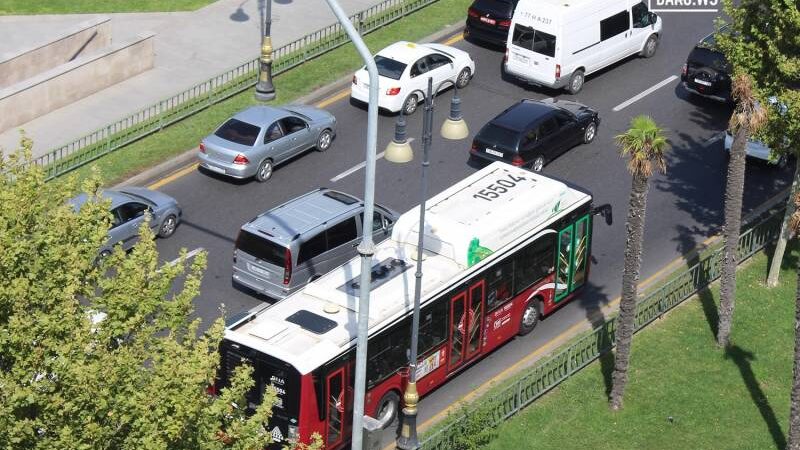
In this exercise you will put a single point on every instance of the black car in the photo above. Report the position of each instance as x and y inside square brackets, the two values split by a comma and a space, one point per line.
[489, 20]
[532, 133]
[707, 72]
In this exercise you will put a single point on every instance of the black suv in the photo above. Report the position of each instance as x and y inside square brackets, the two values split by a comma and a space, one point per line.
[489, 20]
[707, 72]
[533, 132]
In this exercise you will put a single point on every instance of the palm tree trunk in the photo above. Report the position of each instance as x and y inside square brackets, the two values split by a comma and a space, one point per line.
[733, 224]
[630, 284]
[780, 247]
[794, 414]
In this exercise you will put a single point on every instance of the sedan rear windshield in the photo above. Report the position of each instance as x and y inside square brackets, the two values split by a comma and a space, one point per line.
[389, 68]
[261, 248]
[235, 130]
[535, 40]
[502, 137]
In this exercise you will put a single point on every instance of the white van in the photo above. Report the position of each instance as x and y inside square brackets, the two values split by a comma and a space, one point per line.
[556, 43]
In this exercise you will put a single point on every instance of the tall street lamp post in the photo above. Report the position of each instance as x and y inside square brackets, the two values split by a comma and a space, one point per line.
[265, 91]
[399, 151]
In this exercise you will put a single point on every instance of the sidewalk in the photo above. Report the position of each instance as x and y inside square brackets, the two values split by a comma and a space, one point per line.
[191, 47]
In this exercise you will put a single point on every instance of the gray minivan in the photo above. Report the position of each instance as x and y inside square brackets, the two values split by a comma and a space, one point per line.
[283, 249]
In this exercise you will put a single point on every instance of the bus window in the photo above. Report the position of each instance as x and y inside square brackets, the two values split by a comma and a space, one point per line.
[499, 284]
[534, 262]
[432, 327]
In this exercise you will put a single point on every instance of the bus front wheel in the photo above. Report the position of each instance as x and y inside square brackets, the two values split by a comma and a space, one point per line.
[530, 317]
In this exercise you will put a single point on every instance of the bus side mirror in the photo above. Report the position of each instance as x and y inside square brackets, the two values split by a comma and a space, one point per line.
[604, 211]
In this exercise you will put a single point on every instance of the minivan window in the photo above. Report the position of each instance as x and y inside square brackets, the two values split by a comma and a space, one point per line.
[261, 248]
[535, 40]
[235, 130]
[614, 25]
[312, 248]
[503, 137]
[342, 233]
[389, 68]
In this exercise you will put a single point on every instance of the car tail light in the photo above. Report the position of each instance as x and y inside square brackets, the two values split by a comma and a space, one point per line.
[685, 70]
[202, 148]
[355, 79]
[517, 161]
[393, 91]
[474, 148]
[504, 23]
[472, 12]
[505, 57]
[287, 267]
[558, 70]
[241, 159]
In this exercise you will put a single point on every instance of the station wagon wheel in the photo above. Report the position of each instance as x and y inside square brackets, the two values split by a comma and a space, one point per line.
[650, 46]
[386, 411]
[589, 133]
[168, 226]
[324, 140]
[264, 171]
[575, 82]
[410, 105]
[538, 163]
[530, 317]
[463, 77]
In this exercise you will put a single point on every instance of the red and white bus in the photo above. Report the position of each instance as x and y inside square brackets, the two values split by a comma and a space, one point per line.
[503, 248]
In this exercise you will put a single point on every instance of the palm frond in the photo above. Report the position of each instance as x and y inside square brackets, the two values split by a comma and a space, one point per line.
[645, 144]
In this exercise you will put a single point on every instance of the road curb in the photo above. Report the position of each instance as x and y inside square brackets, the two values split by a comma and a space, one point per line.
[183, 159]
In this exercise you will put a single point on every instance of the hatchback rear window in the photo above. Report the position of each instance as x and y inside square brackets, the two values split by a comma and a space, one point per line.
[503, 8]
[235, 130]
[389, 68]
[503, 137]
[261, 248]
[534, 40]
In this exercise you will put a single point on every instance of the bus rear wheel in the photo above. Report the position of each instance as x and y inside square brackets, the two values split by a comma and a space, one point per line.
[530, 317]
[386, 411]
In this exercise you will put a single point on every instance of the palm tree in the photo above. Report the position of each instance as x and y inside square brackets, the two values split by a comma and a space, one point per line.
[747, 118]
[645, 143]
[794, 414]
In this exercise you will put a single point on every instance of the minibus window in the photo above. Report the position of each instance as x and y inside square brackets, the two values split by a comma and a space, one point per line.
[535, 40]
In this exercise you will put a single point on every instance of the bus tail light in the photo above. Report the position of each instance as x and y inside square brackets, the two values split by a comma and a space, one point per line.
[517, 161]
[393, 91]
[558, 70]
[287, 267]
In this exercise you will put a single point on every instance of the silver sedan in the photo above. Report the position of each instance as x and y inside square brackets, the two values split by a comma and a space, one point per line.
[254, 141]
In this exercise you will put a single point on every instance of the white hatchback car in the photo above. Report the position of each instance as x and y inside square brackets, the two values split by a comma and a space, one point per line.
[404, 67]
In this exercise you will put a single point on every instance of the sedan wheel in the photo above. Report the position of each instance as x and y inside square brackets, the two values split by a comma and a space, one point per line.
[590, 133]
[538, 164]
[168, 226]
[410, 105]
[463, 78]
[264, 172]
[324, 140]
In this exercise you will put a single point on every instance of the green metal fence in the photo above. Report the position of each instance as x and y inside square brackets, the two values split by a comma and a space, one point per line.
[572, 357]
[155, 117]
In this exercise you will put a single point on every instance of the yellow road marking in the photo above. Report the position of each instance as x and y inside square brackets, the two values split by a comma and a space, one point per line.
[173, 176]
[334, 98]
[454, 39]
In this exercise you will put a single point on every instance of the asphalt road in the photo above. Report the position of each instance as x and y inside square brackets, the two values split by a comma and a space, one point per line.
[684, 206]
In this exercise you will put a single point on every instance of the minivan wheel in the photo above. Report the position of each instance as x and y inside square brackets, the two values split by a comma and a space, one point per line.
[463, 78]
[589, 133]
[575, 82]
[410, 105]
[168, 226]
[538, 163]
[324, 140]
[264, 171]
[650, 47]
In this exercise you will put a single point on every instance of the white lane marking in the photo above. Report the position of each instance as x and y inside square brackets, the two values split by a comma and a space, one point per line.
[360, 166]
[189, 256]
[644, 93]
[714, 138]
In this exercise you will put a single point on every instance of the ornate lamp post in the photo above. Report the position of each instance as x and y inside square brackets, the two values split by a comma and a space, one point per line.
[399, 151]
[265, 91]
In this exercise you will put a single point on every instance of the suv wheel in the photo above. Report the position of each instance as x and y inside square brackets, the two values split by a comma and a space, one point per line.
[575, 82]
[650, 47]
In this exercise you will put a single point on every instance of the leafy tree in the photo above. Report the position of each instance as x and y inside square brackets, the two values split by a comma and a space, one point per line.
[645, 145]
[764, 43]
[103, 354]
[747, 117]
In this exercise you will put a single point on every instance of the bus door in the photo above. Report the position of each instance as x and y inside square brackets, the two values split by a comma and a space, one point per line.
[573, 251]
[336, 408]
[466, 316]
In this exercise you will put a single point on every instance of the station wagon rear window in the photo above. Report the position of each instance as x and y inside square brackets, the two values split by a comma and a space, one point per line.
[389, 68]
[261, 248]
[235, 130]
[534, 40]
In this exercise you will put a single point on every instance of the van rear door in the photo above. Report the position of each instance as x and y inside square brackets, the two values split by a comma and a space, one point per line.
[261, 258]
[532, 51]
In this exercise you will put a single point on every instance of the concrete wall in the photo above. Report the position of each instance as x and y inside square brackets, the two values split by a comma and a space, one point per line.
[74, 80]
[84, 39]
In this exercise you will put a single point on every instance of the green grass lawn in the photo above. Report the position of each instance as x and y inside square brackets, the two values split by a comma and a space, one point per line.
[289, 86]
[14, 7]
[684, 392]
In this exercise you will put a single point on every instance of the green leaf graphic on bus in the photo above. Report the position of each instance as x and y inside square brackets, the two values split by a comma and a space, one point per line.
[475, 252]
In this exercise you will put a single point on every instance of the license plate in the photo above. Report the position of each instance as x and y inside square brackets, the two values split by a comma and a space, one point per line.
[213, 168]
[494, 152]
[520, 58]
[259, 271]
[488, 20]
[703, 82]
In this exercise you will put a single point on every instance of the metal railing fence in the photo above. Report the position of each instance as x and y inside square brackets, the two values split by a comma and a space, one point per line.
[155, 117]
[572, 357]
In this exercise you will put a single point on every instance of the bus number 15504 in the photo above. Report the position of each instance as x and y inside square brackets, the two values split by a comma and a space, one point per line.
[498, 188]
